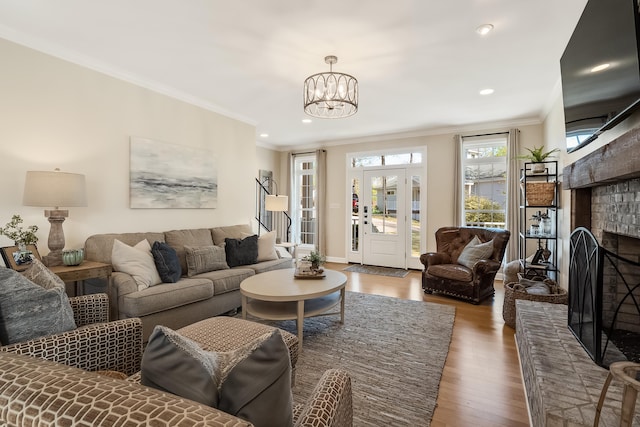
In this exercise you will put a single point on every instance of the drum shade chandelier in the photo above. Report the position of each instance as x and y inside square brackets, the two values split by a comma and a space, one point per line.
[330, 95]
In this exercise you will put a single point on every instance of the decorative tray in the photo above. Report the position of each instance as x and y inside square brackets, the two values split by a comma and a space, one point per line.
[309, 274]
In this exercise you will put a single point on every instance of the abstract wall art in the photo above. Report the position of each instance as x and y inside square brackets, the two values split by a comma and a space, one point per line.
[168, 176]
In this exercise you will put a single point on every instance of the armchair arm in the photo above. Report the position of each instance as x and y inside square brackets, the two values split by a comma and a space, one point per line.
[330, 403]
[434, 258]
[89, 309]
[114, 346]
[485, 266]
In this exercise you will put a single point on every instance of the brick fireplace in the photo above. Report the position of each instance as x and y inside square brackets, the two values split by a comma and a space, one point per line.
[605, 191]
[562, 382]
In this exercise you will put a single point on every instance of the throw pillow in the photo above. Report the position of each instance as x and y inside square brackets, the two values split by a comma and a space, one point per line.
[203, 259]
[29, 311]
[241, 252]
[167, 262]
[475, 251]
[266, 246]
[136, 261]
[252, 382]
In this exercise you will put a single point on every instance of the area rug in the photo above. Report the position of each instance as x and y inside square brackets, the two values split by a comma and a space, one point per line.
[380, 271]
[393, 349]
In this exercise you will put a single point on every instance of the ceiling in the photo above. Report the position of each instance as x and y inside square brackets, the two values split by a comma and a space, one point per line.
[420, 63]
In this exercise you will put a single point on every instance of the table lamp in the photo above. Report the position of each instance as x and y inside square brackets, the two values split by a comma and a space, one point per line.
[54, 189]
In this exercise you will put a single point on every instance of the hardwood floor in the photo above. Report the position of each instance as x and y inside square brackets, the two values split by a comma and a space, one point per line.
[481, 384]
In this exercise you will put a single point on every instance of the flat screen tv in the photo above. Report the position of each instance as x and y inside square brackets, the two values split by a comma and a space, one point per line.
[606, 36]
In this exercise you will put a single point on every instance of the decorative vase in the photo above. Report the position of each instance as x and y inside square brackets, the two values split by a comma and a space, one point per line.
[73, 257]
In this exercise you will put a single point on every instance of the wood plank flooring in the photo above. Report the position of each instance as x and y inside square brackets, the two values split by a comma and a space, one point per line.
[481, 384]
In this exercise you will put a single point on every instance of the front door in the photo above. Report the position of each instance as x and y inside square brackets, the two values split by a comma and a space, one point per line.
[384, 218]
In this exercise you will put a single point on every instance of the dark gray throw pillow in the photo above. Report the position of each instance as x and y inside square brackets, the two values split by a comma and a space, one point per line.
[167, 262]
[29, 311]
[241, 251]
[252, 382]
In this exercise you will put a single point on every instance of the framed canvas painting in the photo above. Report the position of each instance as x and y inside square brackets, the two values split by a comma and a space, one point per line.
[165, 176]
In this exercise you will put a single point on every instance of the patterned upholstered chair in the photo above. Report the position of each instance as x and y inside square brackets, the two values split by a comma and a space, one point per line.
[96, 345]
[473, 282]
[48, 392]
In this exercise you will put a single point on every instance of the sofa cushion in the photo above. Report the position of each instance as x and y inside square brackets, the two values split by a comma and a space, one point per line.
[136, 261]
[475, 251]
[170, 295]
[241, 251]
[275, 264]
[266, 246]
[167, 263]
[252, 382]
[178, 239]
[227, 280]
[28, 311]
[229, 232]
[205, 258]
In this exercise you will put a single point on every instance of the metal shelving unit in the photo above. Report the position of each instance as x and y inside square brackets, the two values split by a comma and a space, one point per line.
[538, 246]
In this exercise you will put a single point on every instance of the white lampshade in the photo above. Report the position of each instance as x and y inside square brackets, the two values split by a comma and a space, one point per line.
[54, 189]
[276, 203]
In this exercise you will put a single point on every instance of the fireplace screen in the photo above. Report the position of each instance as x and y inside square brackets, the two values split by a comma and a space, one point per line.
[604, 300]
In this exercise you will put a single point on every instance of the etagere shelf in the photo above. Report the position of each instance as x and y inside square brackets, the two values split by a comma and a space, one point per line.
[538, 222]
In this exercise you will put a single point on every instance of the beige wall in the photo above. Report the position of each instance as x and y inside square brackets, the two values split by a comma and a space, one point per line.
[440, 158]
[57, 114]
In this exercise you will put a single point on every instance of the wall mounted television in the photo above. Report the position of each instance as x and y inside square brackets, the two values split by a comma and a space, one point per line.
[608, 32]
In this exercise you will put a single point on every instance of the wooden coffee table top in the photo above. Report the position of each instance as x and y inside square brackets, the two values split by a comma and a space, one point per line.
[281, 285]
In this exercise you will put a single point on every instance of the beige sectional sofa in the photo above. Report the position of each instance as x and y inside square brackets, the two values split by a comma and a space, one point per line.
[188, 300]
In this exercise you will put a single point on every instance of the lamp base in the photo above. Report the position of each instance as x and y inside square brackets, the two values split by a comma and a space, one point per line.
[56, 236]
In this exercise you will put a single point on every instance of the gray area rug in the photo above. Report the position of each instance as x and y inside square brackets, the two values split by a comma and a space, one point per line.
[380, 271]
[393, 349]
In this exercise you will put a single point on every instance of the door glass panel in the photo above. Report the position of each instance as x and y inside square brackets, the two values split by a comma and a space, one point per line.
[383, 204]
[415, 216]
[355, 217]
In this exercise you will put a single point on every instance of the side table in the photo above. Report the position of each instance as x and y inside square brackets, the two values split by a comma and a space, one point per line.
[79, 273]
[288, 246]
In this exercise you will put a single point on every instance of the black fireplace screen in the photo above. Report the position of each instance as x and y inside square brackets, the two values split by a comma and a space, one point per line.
[604, 296]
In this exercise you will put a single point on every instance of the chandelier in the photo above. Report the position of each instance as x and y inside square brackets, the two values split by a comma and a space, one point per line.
[330, 95]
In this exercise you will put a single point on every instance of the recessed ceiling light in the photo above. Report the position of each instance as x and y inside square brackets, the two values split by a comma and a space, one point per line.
[264, 135]
[486, 91]
[306, 120]
[484, 29]
[600, 67]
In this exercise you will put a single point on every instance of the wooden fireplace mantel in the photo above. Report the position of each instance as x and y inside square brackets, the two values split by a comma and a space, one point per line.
[616, 161]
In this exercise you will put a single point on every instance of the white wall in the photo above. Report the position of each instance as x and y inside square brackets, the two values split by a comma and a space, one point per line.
[57, 114]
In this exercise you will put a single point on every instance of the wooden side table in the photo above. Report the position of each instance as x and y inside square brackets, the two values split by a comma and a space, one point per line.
[79, 273]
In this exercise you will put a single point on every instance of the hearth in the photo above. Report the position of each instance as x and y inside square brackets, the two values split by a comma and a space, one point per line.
[604, 296]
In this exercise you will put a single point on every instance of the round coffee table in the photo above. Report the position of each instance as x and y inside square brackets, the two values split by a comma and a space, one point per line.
[278, 295]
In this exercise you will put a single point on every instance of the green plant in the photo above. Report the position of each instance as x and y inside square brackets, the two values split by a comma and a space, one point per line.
[537, 155]
[13, 230]
[315, 258]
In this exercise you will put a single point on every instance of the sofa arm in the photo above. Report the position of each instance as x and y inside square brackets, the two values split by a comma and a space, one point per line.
[330, 403]
[89, 309]
[434, 258]
[113, 346]
[121, 284]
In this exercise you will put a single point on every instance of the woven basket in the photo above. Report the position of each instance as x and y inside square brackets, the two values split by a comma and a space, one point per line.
[540, 193]
[510, 297]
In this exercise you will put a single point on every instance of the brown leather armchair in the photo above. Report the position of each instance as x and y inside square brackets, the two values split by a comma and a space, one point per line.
[443, 274]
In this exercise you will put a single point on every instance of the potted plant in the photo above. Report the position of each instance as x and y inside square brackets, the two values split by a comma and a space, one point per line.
[21, 237]
[537, 155]
[316, 259]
